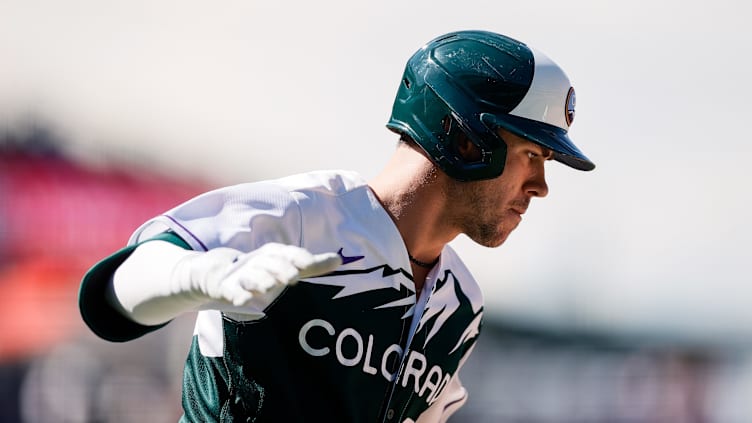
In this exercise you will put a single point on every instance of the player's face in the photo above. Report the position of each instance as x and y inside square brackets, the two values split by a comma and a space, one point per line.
[493, 208]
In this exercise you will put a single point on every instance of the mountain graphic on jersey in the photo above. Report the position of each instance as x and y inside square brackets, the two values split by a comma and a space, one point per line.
[446, 298]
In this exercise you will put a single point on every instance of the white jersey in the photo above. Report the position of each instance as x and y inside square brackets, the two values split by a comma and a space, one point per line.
[354, 345]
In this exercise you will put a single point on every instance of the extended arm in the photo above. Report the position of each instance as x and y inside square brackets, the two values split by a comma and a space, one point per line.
[159, 279]
[451, 400]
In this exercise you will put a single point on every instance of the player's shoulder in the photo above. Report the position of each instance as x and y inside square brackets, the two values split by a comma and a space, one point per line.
[450, 256]
[451, 260]
[329, 182]
[282, 191]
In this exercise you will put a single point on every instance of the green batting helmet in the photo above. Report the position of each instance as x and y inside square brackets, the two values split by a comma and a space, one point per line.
[474, 82]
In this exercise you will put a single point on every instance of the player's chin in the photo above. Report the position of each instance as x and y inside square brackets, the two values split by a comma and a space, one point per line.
[492, 236]
[499, 241]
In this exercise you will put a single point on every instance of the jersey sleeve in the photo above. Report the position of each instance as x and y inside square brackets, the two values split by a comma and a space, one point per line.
[243, 217]
[450, 400]
[103, 319]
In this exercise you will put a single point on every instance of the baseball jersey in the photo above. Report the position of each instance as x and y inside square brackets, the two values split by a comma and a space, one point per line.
[353, 345]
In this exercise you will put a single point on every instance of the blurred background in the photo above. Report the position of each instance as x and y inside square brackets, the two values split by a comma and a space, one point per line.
[623, 296]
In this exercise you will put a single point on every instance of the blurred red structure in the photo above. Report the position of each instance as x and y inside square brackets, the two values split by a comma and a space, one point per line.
[57, 218]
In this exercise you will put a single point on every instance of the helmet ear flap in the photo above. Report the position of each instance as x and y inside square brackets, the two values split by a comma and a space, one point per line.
[459, 143]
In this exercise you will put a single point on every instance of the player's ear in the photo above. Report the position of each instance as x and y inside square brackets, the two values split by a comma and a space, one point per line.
[469, 152]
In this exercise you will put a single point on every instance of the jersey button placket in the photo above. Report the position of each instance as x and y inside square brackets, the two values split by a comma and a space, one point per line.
[390, 414]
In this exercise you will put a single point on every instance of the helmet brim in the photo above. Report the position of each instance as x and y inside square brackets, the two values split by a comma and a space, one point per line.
[549, 136]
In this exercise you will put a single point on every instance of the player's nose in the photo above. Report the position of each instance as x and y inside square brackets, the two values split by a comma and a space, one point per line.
[536, 185]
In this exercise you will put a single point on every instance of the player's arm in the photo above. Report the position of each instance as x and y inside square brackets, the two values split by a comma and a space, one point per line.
[143, 288]
[105, 320]
[451, 399]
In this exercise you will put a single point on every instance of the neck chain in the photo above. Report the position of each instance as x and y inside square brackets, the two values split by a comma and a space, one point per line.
[423, 263]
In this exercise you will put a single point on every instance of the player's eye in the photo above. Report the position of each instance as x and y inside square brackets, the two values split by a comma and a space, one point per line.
[531, 155]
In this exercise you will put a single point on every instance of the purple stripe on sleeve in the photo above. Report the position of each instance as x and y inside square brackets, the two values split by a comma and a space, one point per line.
[187, 231]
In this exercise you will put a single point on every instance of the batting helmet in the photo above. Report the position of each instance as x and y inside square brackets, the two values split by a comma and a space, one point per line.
[474, 82]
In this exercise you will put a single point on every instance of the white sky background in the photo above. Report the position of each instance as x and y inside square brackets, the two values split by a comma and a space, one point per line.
[655, 239]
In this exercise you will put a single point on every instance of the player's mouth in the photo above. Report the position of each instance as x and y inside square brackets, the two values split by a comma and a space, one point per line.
[519, 210]
[519, 207]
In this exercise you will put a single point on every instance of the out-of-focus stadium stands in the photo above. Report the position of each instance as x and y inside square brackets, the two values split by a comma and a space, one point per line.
[57, 218]
[536, 375]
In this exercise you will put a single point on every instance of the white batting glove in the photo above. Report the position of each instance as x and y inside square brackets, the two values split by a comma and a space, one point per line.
[160, 280]
[225, 274]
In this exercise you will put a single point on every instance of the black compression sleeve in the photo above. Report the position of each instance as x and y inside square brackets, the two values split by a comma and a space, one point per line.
[105, 321]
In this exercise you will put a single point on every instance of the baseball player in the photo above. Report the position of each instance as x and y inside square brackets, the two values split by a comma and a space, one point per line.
[325, 297]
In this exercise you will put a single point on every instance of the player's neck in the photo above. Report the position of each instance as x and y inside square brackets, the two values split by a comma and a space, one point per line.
[409, 192]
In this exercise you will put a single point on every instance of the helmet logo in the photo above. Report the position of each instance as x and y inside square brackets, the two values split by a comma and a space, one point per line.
[571, 101]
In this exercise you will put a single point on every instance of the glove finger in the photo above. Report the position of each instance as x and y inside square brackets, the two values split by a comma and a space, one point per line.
[295, 263]
[322, 263]
[280, 267]
[256, 279]
[299, 257]
[235, 294]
